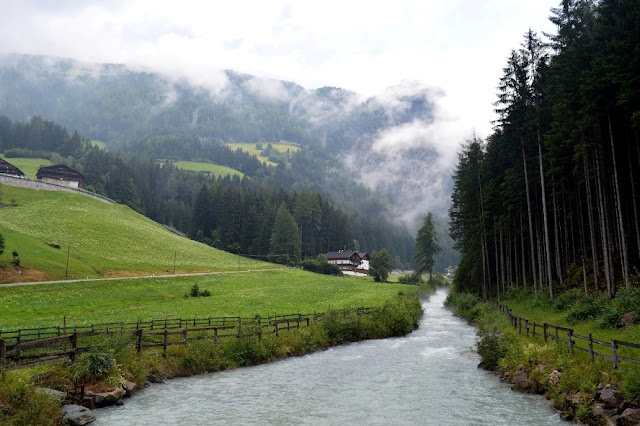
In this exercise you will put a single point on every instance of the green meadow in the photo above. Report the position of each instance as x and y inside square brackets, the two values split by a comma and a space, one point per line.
[99, 144]
[29, 166]
[100, 239]
[214, 169]
[248, 294]
[250, 148]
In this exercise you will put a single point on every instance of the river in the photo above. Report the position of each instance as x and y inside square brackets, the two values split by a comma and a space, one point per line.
[428, 377]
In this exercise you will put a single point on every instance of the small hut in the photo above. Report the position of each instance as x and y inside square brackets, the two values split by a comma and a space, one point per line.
[61, 175]
[7, 168]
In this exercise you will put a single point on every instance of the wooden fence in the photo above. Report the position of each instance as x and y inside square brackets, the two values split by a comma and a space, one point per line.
[585, 343]
[25, 348]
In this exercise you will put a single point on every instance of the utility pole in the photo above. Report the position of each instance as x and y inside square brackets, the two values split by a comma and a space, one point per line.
[66, 270]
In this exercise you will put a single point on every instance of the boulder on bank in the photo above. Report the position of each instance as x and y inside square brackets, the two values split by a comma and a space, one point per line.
[628, 319]
[104, 399]
[77, 415]
[630, 417]
[521, 381]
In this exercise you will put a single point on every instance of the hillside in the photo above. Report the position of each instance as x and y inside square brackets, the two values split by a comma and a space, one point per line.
[102, 240]
[375, 157]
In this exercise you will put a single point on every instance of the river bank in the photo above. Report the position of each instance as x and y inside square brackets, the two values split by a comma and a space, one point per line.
[115, 370]
[579, 390]
[426, 377]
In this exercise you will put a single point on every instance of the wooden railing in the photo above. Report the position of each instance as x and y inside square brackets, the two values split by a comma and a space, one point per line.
[25, 348]
[553, 332]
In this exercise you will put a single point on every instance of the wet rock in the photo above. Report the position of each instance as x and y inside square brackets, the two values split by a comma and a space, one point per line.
[610, 397]
[630, 417]
[77, 415]
[128, 387]
[521, 381]
[105, 399]
[469, 353]
[154, 378]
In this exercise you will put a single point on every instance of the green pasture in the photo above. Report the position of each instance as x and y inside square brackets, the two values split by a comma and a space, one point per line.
[250, 148]
[248, 294]
[29, 166]
[101, 239]
[99, 144]
[214, 169]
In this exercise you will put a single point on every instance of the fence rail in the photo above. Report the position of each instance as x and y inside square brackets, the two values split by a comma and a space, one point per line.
[25, 348]
[552, 332]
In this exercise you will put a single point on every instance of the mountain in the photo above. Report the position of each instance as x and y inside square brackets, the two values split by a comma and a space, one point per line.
[372, 155]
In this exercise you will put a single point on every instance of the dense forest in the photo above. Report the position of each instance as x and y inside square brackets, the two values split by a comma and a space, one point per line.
[550, 200]
[233, 214]
[158, 116]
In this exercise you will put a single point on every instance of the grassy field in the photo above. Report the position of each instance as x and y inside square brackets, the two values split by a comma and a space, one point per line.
[29, 166]
[216, 170]
[104, 240]
[248, 294]
[99, 144]
[250, 148]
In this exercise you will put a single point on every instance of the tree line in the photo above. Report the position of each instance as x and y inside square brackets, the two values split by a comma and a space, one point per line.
[230, 213]
[550, 199]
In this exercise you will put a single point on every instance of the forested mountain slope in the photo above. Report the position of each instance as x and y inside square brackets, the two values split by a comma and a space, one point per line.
[344, 138]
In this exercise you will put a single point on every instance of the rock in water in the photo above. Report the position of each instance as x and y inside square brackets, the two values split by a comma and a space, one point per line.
[77, 415]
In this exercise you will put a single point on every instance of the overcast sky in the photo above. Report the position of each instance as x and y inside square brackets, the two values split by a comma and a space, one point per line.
[458, 46]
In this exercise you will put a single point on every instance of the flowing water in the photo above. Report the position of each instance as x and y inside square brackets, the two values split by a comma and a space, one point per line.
[428, 377]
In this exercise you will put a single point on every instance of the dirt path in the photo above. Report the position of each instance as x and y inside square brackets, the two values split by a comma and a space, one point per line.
[142, 277]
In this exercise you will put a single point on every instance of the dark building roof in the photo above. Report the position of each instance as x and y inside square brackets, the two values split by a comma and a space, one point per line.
[343, 255]
[61, 172]
[364, 255]
[9, 169]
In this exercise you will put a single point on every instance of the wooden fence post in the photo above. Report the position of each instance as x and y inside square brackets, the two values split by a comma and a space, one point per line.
[74, 344]
[3, 353]
[526, 326]
[614, 353]
[215, 335]
[570, 336]
[164, 344]
[591, 354]
[534, 330]
[275, 324]
[545, 326]
[139, 341]
[519, 325]
[557, 337]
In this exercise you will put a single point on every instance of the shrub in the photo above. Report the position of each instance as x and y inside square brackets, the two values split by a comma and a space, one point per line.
[628, 298]
[491, 348]
[414, 279]
[195, 290]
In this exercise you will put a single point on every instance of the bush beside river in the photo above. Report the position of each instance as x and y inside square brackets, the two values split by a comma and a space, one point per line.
[581, 391]
[114, 368]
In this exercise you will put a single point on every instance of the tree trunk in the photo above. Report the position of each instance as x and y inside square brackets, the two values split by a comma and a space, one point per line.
[592, 235]
[531, 231]
[546, 221]
[556, 233]
[603, 227]
[633, 195]
[623, 238]
[583, 246]
[522, 252]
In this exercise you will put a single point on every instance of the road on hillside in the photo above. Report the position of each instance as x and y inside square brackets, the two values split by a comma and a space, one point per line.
[142, 277]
